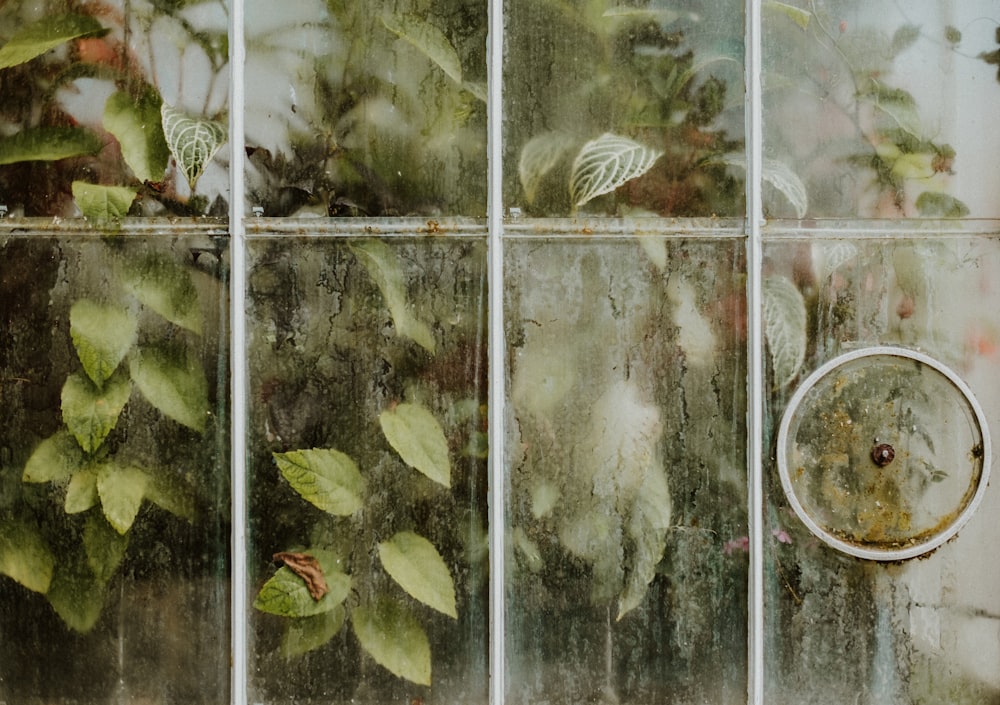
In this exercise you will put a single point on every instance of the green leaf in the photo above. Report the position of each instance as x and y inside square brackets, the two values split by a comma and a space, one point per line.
[76, 595]
[308, 633]
[416, 435]
[89, 412]
[287, 595]
[429, 41]
[167, 288]
[101, 335]
[539, 156]
[605, 163]
[103, 204]
[904, 38]
[48, 144]
[384, 269]
[784, 327]
[121, 489]
[169, 492]
[192, 142]
[47, 33]
[941, 205]
[55, 459]
[137, 125]
[418, 568]
[796, 15]
[781, 177]
[24, 556]
[104, 546]
[394, 638]
[326, 478]
[174, 382]
[81, 493]
[647, 529]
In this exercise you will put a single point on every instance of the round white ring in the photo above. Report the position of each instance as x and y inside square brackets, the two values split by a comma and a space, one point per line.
[869, 553]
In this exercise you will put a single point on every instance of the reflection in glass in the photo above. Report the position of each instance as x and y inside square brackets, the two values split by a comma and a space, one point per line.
[840, 628]
[880, 108]
[627, 481]
[113, 107]
[366, 108]
[367, 479]
[113, 486]
[616, 110]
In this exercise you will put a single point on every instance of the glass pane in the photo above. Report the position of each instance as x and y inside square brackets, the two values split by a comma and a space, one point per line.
[113, 107]
[627, 535]
[367, 479]
[615, 110]
[883, 454]
[881, 108]
[366, 108]
[114, 468]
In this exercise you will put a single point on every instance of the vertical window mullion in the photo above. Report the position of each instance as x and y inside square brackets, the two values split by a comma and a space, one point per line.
[755, 342]
[497, 483]
[238, 358]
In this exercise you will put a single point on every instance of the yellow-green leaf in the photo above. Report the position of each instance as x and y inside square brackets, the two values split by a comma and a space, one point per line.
[384, 269]
[76, 595]
[429, 40]
[102, 335]
[47, 33]
[287, 595]
[121, 489]
[394, 638]
[136, 124]
[81, 492]
[325, 478]
[418, 568]
[24, 556]
[89, 412]
[416, 435]
[103, 204]
[48, 144]
[104, 546]
[55, 459]
[167, 288]
[307, 633]
[174, 382]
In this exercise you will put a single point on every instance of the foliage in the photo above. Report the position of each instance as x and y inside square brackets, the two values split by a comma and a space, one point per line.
[387, 503]
[135, 356]
[631, 109]
[386, 117]
[60, 159]
[845, 74]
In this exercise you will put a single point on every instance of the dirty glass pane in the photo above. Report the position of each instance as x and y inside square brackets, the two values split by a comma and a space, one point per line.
[367, 481]
[880, 108]
[886, 449]
[617, 108]
[627, 535]
[113, 107]
[113, 469]
[366, 108]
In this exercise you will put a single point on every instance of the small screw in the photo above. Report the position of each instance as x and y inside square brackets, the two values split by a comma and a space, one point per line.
[883, 454]
[258, 211]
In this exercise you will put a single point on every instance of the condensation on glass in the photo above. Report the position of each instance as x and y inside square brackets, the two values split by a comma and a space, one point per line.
[366, 108]
[115, 465]
[880, 109]
[626, 521]
[367, 469]
[845, 629]
[627, 109]
[113, 108]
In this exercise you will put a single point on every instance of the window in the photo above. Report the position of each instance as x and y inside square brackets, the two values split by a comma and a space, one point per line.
[527, 351]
